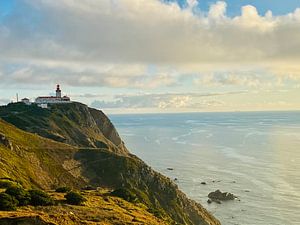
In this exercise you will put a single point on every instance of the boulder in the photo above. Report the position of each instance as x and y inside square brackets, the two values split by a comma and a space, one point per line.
[221, 196]
[4, 141]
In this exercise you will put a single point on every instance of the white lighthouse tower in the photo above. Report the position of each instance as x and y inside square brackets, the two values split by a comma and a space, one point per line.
[58, 91]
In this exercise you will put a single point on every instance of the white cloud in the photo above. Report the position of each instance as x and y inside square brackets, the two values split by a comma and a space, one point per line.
[242, 78]
[111, 43]
[4, 101]
[165, 101]
[217, 11]
[251, 19]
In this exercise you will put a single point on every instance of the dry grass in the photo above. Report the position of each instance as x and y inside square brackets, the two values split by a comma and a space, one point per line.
[100, 208]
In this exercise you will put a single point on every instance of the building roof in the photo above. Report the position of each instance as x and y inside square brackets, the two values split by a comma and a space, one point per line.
[48, 97]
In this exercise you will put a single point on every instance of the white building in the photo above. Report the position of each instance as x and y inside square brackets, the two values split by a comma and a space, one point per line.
[44, 100]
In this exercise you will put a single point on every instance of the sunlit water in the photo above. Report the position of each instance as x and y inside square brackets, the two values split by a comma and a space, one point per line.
[255, 156]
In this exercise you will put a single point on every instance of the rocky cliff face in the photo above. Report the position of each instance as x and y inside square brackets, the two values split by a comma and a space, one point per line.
[74, 124]
[91, 153]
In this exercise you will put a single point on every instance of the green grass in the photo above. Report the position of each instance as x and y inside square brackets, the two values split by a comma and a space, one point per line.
[39, 162]
[69, 123]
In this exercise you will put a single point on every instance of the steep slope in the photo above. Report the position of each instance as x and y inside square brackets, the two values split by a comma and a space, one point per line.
[45, 163]
[35, 161]
[73, 123]
[100, 208]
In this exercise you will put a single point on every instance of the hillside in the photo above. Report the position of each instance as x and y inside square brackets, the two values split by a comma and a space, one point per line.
[44, 163]
[74, 124]
[100, 208]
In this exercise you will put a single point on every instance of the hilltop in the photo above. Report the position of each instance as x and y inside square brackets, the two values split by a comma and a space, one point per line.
[76, 146]
[74, 124]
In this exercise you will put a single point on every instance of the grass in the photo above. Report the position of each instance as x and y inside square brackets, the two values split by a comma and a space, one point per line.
[38, 162]
[70, 123]
[100, 208]
[35, 161]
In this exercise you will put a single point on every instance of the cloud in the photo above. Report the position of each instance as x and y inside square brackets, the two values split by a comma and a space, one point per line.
[87, 95]
[242, 78]
[217, 12]
[164, 101]
[4, 101]
[101, 75]
[112, 43]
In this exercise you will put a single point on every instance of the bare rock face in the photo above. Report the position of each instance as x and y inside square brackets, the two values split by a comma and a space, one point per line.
[218, 196]
[107, 128]
[4, 141]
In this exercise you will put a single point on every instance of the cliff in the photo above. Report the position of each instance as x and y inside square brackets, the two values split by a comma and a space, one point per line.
[74, 124]
[77, 146]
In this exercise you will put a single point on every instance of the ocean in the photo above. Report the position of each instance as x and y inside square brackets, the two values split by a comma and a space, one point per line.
[254, 155]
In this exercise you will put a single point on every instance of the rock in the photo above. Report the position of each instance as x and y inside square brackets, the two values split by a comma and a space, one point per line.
[175, 179]
[4, 141]
[204, 183]
[219, 196]
[209, 201]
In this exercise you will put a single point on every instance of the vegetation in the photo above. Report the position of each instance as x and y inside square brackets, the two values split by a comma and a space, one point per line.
[73, 123]
[7, 202]
[40, 198]
[99, 207]
[74, 198]
[18, 196]
[43, 163]
[63, 189]
[5, 183]
[19, 193]
[126, 194]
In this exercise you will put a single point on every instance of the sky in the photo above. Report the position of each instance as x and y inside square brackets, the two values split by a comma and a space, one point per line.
[144, 56]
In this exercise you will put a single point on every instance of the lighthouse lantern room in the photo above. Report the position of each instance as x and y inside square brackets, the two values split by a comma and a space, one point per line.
[58, 91]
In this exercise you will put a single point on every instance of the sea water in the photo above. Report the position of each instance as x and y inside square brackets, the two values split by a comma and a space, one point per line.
[254, 155]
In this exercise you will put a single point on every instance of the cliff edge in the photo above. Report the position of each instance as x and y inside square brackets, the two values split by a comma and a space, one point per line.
[77, 146]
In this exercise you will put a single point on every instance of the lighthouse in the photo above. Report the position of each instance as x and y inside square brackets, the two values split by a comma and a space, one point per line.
[58, 91]
[57, 99]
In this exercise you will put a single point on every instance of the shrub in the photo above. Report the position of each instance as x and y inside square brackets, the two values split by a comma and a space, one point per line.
[20, 194]
[157, 213]
[89, 188]
[74, 198]
[126, 194]
[7, 202]
[39, 197]
[63, 189]
[6, 183]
